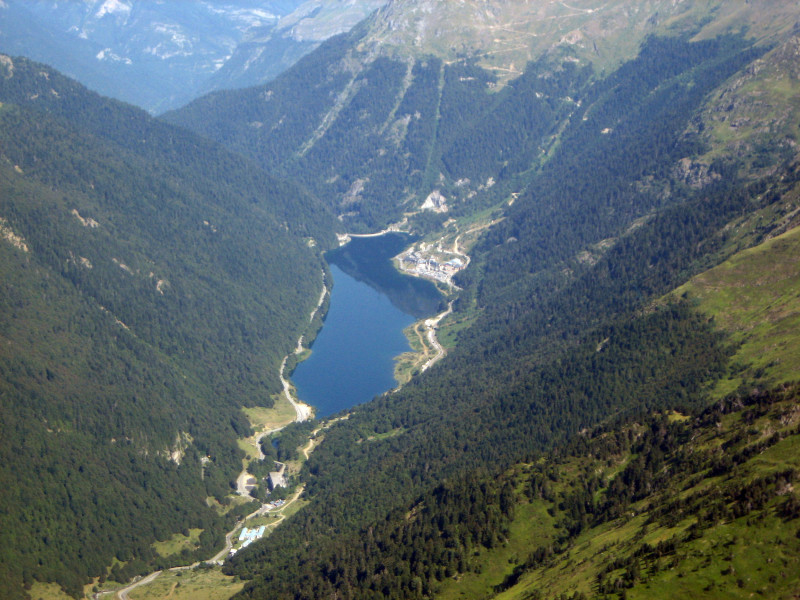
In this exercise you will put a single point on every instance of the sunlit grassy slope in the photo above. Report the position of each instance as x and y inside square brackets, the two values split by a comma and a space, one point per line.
[196, 584]
[755, 296]
[708, 527]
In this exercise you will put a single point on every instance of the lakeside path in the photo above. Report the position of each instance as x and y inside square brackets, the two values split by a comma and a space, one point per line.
[393, 228]
[303, 411]
[431, 325]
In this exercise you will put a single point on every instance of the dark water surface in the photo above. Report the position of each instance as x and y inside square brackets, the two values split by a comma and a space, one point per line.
[352, 359]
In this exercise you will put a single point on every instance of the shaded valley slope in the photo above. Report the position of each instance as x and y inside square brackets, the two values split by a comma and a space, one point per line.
[151, 284]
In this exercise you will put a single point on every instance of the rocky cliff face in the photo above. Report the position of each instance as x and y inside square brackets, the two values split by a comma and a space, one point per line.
[264, 52]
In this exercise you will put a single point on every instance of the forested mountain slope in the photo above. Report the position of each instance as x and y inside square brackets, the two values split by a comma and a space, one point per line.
[467, 99]
[151, 284]
[695, 504]
[613, 182]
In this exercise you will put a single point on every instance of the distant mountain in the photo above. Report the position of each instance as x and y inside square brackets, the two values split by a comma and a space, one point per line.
[266, 52]
[159, 55]
[151, 283]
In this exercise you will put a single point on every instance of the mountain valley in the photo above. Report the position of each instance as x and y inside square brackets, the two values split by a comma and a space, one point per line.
[611, 411]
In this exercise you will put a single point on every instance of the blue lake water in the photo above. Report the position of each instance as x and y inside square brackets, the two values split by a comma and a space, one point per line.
[352, 358]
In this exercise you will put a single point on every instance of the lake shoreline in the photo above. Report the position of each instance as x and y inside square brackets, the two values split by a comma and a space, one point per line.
[371, 303]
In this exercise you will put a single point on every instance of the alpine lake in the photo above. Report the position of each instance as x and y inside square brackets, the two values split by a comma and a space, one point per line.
[352, 358]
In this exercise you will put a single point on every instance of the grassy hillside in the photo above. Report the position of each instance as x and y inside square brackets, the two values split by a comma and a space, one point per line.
[753, 295]
[689, 506]
[720, 519]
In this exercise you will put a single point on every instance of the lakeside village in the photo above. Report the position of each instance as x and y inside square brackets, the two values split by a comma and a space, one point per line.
[429, 263]
[423, 260]
[427, 260]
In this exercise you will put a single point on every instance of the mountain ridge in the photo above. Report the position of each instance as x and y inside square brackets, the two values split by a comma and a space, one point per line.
[401, 142]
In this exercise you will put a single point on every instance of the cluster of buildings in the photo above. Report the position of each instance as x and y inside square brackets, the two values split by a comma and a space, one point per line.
[429, 267]
[273, 505]
[248, 536]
